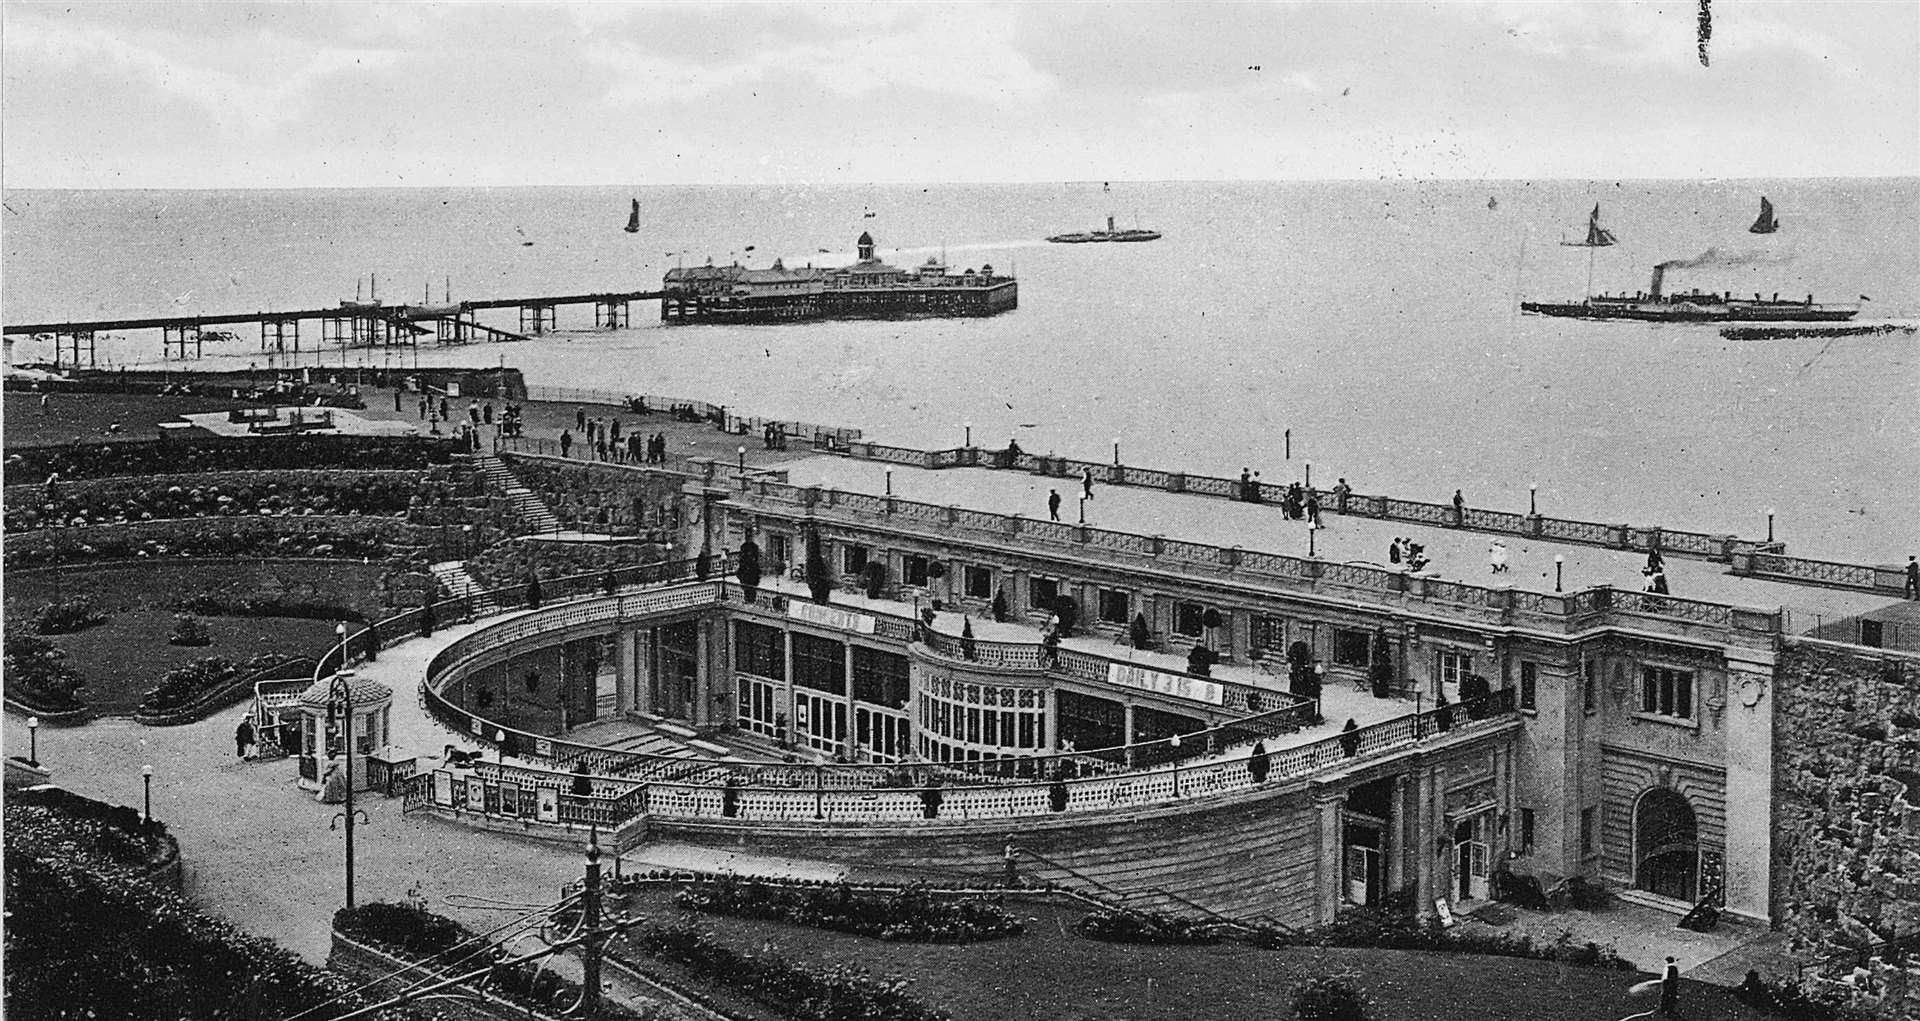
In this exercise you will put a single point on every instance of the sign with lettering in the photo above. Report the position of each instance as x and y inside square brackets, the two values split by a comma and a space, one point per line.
[443, 788]
[548, 808]
[830, 616]
[1193, 689]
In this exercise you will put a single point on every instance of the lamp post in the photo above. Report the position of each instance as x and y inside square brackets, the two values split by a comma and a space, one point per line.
[889, 481]
[340, 638]
[1559, 564]
[340, 690]
[1769, 524]
[1174, 743]
[819, 784]
[1310, 531]
[743, 458]
[146, 781]
[1083, 510]
[1116, 451]
[33, 741]
[1309, 474]
[1533, 503]
[968, 426]
[466, 542]
[500, 744]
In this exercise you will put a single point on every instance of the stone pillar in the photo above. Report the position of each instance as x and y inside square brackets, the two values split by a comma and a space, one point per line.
[1748, 712]
[1330, 808]
[1399, 835]
[850, 743]
[1425, 826]
[1127, 728]
[783, 705]
[623, 670]
[645, 662]
[705, 664]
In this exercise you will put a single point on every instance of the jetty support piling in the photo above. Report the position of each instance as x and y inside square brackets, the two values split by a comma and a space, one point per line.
[537, 318]
[611, 314]
[176, 337]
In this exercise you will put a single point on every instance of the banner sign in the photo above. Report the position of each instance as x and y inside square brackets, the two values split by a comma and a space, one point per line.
[830, 616]
[1161, 682]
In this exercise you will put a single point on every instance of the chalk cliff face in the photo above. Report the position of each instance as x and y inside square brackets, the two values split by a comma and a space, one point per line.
[1847, 795]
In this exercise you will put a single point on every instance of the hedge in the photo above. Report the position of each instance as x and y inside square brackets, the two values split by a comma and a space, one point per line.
[911, 914]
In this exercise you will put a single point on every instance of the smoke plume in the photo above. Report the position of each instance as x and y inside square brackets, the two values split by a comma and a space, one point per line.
[1716, 257]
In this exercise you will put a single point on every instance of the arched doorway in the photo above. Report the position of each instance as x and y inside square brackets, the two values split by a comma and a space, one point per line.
[1666, 846]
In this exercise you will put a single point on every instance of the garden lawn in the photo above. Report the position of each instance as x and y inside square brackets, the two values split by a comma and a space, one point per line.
[76, 416]
[123, 658]
[1054, 974]
[160, 584]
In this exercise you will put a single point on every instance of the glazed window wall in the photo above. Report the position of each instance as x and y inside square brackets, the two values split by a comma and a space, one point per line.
[759, 650]
[913, 570]
[1189, 619]
[853, 559]
[880, 678]
[1087, 722]
[1269, 633]
[1043, 594]
[1666, 692]
[1352, 648]
[819, 663]
[1116, 606]
[967, 722]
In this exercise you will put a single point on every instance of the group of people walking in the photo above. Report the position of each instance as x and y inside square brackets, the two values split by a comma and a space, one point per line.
[607, 443]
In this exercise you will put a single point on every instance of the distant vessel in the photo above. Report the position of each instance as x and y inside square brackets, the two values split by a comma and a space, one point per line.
[1597, 236]
[1766, 224]
[428, 310]
[868, 289]
[1110, 234]
[356, 302]
[633, 218]
[1693, 307]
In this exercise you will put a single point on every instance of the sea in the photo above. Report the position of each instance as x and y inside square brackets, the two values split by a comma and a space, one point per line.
[1370, 329]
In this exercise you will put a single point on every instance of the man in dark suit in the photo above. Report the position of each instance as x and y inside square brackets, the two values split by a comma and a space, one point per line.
[1670, 990]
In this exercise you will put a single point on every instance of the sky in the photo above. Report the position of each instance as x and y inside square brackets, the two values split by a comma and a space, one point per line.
[350, 94]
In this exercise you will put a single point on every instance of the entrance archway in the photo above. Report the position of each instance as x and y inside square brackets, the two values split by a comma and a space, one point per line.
[1666, 845]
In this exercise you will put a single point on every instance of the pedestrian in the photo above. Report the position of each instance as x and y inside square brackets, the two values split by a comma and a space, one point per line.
[1393, 551]
[446, 410]
[1313, 508]
[1459, 507]
[1086, 483]
[580, 419]
[1913, 578]
[423, 409]
[600, 449]
[1053, 504]
[473, 411]
[1655, 562]
[1660, 583]
[396, 400]
[1057, 792]
[1340, 493]
[1350, 739]
[1050, 649]
[633, 448]
[243, 737]
[1258, 765]
[566, 443]
[1670, 990]
[486, 413]
[581, 785]
[1442, 713]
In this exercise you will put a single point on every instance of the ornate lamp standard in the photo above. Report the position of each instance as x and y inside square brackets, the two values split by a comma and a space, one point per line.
[146, 781]
[33, 741]
[340, 691]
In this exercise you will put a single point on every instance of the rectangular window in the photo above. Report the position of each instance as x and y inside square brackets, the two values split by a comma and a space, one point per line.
[1189, 619]
[979, 583]
[1586, 831]
[1269, 633]
[1116, 606]
[913, 569]
[1043, 593]
[1529, 683]
[759, 650]
[853, 559]
[779, 553]
[1352, 648]
[1666, 692]
[879, 678]
[1452, 666]
[1526, 829]
[819, 663]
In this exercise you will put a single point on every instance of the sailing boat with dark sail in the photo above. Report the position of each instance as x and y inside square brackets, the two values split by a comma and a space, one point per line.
[633, 218]
[1597, 236]
[1766, 224]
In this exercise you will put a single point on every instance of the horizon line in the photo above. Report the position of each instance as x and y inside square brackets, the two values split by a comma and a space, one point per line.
[965, 183]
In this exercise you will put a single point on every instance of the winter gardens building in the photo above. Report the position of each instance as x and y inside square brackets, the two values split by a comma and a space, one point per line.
[1354, 731]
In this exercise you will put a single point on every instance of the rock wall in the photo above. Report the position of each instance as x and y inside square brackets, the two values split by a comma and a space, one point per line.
[1846, 795]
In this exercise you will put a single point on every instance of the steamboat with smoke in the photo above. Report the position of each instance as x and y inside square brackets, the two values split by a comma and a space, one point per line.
[1656, 305]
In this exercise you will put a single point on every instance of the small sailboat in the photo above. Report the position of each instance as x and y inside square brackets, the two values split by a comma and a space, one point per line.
[1597, 236]
[633, 218]
[1766, 224]
[374, 282]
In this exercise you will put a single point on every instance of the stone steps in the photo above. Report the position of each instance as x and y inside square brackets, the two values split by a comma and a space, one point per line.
[452, 576]
[528, 507]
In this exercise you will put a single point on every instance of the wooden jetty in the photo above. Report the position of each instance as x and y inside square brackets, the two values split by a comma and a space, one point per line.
[347, 325]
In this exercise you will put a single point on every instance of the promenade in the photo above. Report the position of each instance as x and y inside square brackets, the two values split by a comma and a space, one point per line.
[1457, 554]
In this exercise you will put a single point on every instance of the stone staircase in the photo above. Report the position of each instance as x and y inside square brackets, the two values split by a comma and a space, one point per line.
[453, 577]
[526, 506]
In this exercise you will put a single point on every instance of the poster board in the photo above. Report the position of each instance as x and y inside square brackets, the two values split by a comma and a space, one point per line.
[443, 788]
[548, 808]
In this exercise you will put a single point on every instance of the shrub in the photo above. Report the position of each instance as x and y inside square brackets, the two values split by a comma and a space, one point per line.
[1331, 998]
[408, 928]
[801, 992]
[911, 914]
[1393, 925]
[1122, 926]
[37, 673]
[188, 630]
[66, 616]
[209, 604]
[1137, 632]
[186, 685]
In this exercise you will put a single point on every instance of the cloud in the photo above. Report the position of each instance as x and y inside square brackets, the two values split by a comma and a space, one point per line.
[944, 51]
[251, 103]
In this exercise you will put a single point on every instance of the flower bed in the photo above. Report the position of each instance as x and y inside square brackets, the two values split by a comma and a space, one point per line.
[798, 991]
[37, 674]
[1143, 927]
[90, 938]
[253, 494]
[1393, 925]
[357, 538]
[174, 457]
[185, 686]
[67, 616]
[911, 914]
